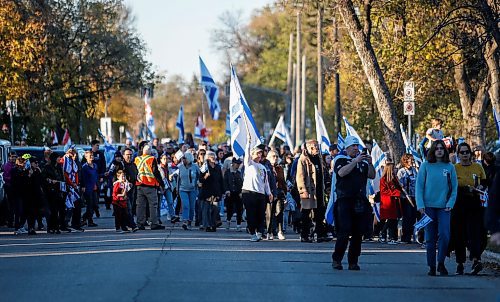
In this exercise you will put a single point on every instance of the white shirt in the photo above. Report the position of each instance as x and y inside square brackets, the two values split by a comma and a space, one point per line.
[255, 177]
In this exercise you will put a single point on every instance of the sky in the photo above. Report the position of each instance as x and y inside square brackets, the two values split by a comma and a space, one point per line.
[178, 31]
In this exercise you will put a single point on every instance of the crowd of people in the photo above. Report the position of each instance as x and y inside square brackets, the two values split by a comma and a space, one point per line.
[276, 191]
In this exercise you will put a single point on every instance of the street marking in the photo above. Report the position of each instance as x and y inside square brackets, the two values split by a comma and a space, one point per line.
[178, 249]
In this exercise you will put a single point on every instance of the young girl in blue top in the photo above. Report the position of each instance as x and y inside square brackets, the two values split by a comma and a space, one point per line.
[436, 191]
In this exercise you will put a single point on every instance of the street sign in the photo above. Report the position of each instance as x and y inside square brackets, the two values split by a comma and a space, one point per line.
[106, 127]
[409, 91]
[409, 108]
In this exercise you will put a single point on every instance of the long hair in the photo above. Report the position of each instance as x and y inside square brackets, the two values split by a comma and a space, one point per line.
[406, 159]
[431, 155]
[388, 173]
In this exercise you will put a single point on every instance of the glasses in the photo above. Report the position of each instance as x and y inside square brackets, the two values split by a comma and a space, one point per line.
[464, 152]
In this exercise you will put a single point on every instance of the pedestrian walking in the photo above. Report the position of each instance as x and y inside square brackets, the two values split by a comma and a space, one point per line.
[233, 183]
[407, 176]
[436, 192]
[352, 209]
[52, 178]
[148, 182]
[390, 204]
[211, 192]
[189, 174]
[467, 222]
[119, 202]
[89, 187]
[255, 190]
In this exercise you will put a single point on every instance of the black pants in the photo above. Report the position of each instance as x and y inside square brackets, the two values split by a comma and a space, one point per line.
[409, 219]
[255, 205]
[234, 205]
[306, 222]
[391, 227]
[467, 228]
[121, 217]
[56, 209]
[351, 226]
[319, 224]
[76, 214]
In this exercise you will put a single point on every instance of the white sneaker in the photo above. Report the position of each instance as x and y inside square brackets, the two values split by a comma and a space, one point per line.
[259, 235]
[281, 236]
[392, 242]
[255, 238]
[23, 230]
[270, 236]
[18, 232]
[238, 228]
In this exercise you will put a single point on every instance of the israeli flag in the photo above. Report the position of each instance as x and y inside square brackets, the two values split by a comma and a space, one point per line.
[180, 125]
[321, 134]
[340, 142]
[281, 132]
[422, 223]
[228, 125]
[409, 148]
[129, 136]
[351, 132]
[496, 116]
[378, 160]
[211, 91]
[241, 119]
[109, 150]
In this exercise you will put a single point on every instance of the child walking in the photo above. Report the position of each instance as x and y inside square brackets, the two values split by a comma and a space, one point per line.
[120, 188]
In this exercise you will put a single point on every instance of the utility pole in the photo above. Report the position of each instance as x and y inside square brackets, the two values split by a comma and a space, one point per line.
[298, 117]
[320, 60]
[338, 116]
[293, 120]
[289, 80]
[303, 102]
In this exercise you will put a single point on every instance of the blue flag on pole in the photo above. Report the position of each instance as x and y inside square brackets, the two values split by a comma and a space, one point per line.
[321, 134]
[211, 91]
[351, 132]
[241, 120]
[180, 125]
[340, 142]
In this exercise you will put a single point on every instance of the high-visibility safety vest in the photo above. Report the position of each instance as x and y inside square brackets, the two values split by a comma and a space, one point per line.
[145, 176]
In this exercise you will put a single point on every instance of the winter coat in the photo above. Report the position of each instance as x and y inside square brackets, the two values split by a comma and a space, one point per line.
[306, 182]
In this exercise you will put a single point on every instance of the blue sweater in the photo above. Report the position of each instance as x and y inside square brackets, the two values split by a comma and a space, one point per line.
[432, 186]
[90, 177]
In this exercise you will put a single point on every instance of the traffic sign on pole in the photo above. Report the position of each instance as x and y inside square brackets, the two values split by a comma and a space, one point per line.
[409, 108]
[409, 91]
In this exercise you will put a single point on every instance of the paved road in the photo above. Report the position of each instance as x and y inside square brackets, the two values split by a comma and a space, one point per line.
[178, 265]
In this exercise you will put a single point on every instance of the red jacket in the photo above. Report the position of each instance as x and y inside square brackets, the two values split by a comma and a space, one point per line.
[119, 188]
[390, 206]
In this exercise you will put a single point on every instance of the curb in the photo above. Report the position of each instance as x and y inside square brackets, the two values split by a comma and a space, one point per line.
[491, 257]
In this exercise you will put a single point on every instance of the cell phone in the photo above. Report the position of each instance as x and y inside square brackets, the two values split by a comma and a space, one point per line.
[364, 152]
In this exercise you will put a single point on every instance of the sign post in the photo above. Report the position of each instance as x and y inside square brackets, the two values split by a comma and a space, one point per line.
[409, 104]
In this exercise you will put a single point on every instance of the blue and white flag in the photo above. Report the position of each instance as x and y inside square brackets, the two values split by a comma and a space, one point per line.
[409, 148]
[425, 220]
[180, 125]
[242, 123]
[321, 134]
[340, 142]
[150, 122]
[281, 132]
[228, 125]
[378, 160]
[129, 136]
[109, 150]
[496, 117]
[351, 132]
[211, 91]
[330, 213]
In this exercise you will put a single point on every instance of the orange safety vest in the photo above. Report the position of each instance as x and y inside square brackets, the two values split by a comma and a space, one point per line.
[145, 176]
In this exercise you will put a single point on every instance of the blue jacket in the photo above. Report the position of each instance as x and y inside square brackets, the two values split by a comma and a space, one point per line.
[434, 181]
[89, 177]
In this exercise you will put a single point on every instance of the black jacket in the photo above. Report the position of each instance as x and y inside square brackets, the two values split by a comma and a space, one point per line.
[233, 181]
[213, 185]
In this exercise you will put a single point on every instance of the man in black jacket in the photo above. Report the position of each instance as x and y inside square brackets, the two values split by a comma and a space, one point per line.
[131, 175]
[233, 182]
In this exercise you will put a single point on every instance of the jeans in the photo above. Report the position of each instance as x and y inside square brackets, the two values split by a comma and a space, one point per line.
[437, 232]
[210, 214]
[188, 202]
[170, 202]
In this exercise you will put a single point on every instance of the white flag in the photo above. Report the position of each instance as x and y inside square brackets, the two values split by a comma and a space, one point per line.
[321, 134]
[378, 160]
[241, 120]
[351, 132]
[211, 91]
[281, 132]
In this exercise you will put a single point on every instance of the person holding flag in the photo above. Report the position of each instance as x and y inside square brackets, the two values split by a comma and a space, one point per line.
[352, 208]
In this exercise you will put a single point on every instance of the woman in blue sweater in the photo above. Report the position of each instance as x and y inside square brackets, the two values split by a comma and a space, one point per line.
[436, 191]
